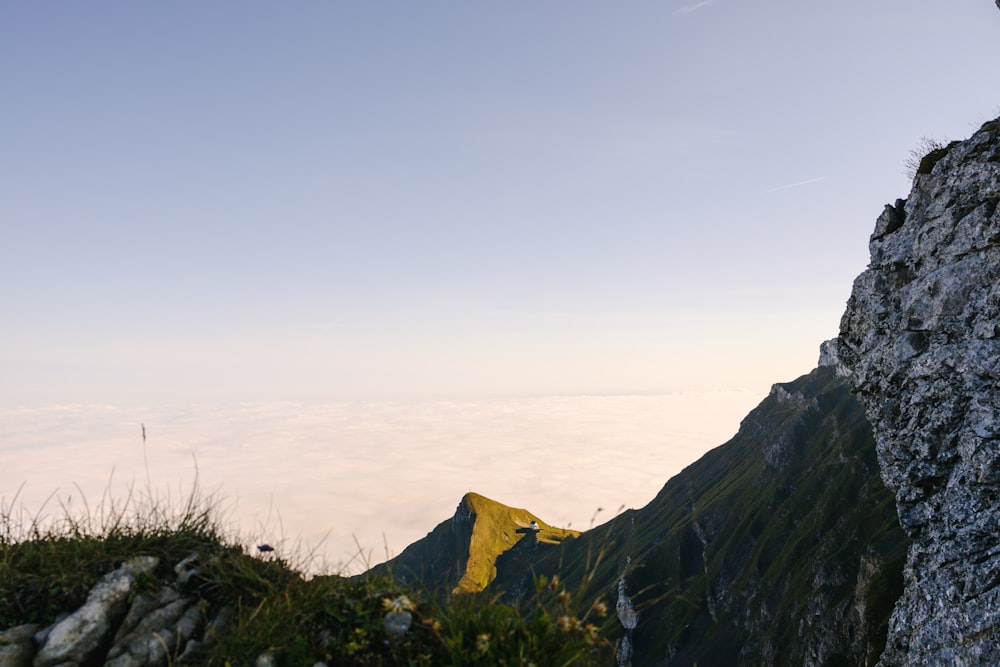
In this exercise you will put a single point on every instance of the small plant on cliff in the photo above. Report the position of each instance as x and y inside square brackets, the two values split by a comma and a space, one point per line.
[922, 159]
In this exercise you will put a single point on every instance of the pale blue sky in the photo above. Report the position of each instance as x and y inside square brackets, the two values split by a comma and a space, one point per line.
[250, 200]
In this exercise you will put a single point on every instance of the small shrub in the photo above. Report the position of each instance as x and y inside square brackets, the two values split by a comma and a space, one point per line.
[923, 158]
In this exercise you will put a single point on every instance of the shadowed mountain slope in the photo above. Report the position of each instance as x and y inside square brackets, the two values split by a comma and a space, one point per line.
[780, 547]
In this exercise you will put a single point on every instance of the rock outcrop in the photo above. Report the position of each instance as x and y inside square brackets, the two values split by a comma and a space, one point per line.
[77, 637]
[17, 646]
[921, 339]
[122, 623]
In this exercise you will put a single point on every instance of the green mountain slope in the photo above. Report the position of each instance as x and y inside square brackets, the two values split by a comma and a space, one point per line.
[780, 547]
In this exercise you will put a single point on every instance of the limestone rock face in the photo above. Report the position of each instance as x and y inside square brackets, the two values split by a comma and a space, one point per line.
[17, 646]
[779, 547]
[921, 339]
[154, 629]
[80, 634]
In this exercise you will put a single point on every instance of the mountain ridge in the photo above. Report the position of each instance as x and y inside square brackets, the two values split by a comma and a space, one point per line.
[460, 553]
[713, 545]
[806, 539]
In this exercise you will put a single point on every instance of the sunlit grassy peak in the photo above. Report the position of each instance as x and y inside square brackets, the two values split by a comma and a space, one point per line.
[496, 528]
[460, 554]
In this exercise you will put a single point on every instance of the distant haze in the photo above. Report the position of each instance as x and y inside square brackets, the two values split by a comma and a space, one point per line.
[381, 473]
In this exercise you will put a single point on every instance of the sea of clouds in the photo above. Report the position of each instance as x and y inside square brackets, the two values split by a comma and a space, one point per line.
[353, 482]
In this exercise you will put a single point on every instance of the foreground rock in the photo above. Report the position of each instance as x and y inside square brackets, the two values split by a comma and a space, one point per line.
[921, 338]
[77, 637]
[121, 624]
[17, 646]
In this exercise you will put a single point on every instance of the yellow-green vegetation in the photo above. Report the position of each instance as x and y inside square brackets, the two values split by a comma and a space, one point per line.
[497, 528]
[48, 567]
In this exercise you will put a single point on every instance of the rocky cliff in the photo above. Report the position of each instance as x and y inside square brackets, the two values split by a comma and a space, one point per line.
[921, 341]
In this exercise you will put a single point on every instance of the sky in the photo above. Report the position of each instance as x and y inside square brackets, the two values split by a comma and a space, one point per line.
[241, 199]
[352, 203]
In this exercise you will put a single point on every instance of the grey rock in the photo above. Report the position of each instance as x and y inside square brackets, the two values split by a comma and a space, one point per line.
[43, 635]
[143, 606]
[209, 636]
[829, 356]
[17, 646]
[166, 624]
[226, 617]
[397, 623]
[79, 635]
[187, 568]
[265, 660]
[921, 340]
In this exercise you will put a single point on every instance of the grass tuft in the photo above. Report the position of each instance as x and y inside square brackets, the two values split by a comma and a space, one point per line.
[258, 603]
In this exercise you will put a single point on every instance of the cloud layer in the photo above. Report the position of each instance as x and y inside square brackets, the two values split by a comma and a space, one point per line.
[380, 475]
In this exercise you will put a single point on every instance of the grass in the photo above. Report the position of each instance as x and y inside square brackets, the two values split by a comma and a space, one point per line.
[921, 160]
[47, 567]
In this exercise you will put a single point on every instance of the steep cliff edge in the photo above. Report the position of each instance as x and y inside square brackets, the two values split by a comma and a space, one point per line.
[921, 340]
